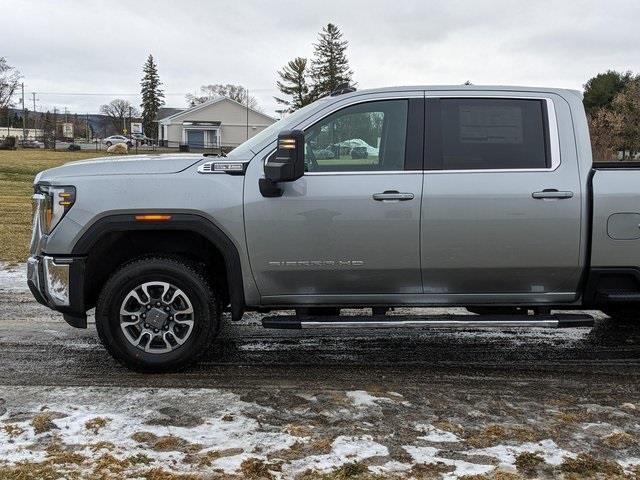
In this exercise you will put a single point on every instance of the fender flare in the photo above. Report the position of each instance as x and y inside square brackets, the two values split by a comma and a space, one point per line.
[179, 221]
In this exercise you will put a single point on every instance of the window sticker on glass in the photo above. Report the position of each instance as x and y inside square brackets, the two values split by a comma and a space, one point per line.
[490, 124]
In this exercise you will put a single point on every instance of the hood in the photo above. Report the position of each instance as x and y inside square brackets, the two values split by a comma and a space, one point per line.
[124, 165]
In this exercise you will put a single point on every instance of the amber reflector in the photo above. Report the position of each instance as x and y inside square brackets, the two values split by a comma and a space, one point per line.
[153, 217]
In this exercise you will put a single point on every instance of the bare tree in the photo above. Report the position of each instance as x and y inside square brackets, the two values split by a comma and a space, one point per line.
[626, 107]
[9, 81]
[234, 92]
[118, 111]
[604, 133]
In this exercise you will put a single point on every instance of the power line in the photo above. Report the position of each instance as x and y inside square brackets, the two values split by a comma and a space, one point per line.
[122, 94]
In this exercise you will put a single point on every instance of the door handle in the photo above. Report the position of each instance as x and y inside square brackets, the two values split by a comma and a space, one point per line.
[392, 195]
[552, 193]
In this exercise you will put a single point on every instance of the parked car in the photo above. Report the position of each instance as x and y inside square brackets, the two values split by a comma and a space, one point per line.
[142, 139]
[30, 144]
[113, 139]
[497, 206]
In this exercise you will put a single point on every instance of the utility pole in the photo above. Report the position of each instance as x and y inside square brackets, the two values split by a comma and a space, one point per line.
[24, 117]
[55, 126]
[247, 114]
[35, 117]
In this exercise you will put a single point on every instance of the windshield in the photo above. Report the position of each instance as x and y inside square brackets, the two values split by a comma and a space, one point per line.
[258, 142]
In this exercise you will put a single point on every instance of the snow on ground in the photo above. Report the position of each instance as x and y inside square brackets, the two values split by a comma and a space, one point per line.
[343, 450]
[507, 454]
[13, 278]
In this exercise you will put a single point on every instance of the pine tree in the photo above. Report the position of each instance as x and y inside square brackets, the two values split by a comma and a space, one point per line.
[152, 97]
[293, 82]
[329, 67]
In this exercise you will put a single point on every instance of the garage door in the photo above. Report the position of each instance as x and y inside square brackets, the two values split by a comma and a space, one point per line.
[195, 138]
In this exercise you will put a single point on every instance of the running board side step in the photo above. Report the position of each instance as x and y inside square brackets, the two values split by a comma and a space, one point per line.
[445, 321]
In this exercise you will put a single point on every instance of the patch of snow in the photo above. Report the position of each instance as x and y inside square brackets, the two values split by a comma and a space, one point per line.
[362, 398]
[506, 454]
[343, 450]
[392, 466]
[13, 278]
[430, 455]
[129, 411]
[434, 434]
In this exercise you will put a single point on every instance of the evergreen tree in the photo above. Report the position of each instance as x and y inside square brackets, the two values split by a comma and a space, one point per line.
[329, 67]
[152, 97]
[48, 130]
[293, 82]
[600, 90]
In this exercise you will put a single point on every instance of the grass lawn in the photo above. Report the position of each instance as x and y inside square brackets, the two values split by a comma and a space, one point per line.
[17, 170]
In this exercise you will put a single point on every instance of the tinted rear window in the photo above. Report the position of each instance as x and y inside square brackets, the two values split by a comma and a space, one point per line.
[478, 133]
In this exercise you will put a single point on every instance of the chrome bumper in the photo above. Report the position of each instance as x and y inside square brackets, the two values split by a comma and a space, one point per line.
[49, 280]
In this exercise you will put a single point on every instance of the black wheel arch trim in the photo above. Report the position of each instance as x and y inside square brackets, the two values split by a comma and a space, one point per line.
[179, 221]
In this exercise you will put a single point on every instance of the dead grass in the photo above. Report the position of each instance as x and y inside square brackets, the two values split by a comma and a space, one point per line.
[206, 459]
[13, 430]
[96, 424]
[428, 471]
[255, 469]
[32, 471]
[43, 422]
[496, 475]
[95, 447]
[449, 426]
[494, 434]
[17, 170]
[108, 464]
[298, 430]
[348, 471]
[529, 462]
[587, 466]
[160, 474]
[619, 440]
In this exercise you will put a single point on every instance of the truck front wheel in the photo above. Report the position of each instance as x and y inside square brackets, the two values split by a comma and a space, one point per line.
[157, 314]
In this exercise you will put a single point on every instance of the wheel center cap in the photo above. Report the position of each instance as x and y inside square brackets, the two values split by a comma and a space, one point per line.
[156, 318]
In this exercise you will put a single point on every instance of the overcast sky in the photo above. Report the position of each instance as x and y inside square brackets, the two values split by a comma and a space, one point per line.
[97, 49]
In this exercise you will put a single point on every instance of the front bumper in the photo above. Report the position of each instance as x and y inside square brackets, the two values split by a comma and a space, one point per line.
[58, 283]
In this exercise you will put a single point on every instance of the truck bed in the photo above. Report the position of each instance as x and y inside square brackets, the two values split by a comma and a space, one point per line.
[616, 215]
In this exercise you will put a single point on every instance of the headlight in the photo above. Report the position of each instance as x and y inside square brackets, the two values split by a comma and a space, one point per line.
[57, 202]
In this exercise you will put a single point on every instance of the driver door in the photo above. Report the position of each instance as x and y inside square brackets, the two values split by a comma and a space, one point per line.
[350, 225]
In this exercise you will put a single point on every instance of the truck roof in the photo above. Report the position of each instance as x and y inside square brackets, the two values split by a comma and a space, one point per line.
[489, 88]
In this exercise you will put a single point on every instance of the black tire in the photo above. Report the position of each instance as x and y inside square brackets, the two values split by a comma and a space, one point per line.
[206, 314]
[108, 144]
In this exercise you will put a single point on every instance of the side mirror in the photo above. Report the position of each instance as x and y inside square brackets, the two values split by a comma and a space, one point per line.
[288, 163]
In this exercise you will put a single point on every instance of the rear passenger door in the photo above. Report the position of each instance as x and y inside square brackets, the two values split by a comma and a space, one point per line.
[501, 207]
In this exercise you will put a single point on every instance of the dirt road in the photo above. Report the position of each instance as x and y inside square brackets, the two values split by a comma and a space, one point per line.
[284, 404]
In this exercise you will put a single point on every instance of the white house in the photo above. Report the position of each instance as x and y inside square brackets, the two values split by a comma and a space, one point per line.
[219, 122]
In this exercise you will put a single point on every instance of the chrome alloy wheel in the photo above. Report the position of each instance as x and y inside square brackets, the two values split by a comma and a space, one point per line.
[156, 317]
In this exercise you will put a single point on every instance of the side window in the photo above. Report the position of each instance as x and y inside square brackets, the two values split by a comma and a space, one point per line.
[363, 137]
[478, 133]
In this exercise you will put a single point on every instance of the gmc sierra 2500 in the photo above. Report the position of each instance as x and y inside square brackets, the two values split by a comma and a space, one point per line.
[480, 197]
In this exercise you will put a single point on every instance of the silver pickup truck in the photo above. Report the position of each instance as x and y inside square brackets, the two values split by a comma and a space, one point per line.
[478, 197]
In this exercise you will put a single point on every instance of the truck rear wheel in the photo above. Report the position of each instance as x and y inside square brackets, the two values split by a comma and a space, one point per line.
[157, 315]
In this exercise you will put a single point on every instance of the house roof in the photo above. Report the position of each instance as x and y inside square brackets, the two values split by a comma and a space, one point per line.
[164, 112]
[206, 104]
